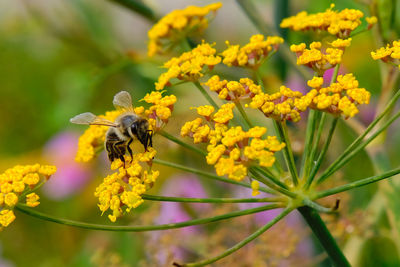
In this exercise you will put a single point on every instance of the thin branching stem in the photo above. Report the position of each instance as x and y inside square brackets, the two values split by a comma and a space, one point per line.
[140, 228]
[311, 124]
[322, 154]
[182, 143]
[356, 184]
[270, 176]
[212, 200]
[349, 154]
[257, 176]
[241, 243]
[254, 15]
[244, 115]
[360, 138]
[208, 175]
[206, 95]
[287, 151]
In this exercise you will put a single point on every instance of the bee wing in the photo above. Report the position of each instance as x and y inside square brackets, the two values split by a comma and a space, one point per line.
[91, 119]
[123, 100]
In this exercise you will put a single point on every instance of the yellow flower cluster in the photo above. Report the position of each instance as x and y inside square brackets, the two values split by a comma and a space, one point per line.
[189, 66]
[283, 105]
[339, 23]
[342, 97]
[317, 60]
[161, 109]
[390, 53]
[122, 190]
[255, 186]
[178, 25]
[233, 90]
[19, 180]
[251, 54]
[92, 140]
[230, 149]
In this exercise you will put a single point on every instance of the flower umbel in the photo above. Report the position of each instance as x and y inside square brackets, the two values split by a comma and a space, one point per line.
[390, 53]
[339, 23]
[122, 190]
[18, 181]
[251, 54]
[230, 149]
[178, 25]
[189, 66]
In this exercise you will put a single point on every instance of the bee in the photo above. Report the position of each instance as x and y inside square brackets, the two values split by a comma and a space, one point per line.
[127, 127]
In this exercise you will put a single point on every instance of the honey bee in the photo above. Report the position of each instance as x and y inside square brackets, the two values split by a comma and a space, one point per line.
[123, 130]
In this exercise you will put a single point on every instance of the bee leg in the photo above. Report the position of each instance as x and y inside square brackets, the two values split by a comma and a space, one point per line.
[151, 138]
[110, 151]
[129, 149]
[119, 148]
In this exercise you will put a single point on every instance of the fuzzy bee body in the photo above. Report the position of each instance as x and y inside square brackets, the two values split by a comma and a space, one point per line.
[127, 127]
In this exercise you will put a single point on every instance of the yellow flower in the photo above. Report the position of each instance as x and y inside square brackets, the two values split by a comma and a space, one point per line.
[315, 82]
[233, 90]
[390, 53]
[123, 189]
[224, 114]
[341, 43]
[371, 20]
[341, 97]
[320, 61]
[6, 217]
[189, 66]
[14, 181]
[177, 25]
[228, 147]
[255, 186]
[251, 54]
[339, 23]
[283, 105]
[32, 200]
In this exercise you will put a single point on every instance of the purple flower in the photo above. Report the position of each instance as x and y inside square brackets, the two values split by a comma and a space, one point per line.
[70, 176]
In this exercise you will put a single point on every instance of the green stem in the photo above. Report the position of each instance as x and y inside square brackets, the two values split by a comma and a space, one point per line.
[139, 228]
[206, 95]
[324, 236]
[241, 243]
[271, 185]
[321, 125]
[356, 184]
[322, 154]
[244, 115]
[349, 154]
[271, 177]
[207, 175]
[211, 200]
[182, 143]
[260, 80]
[287, 151]
[305, 160]
[360, 138]
[138, 7]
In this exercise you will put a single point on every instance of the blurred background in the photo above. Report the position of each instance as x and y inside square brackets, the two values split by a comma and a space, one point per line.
[61, 58]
